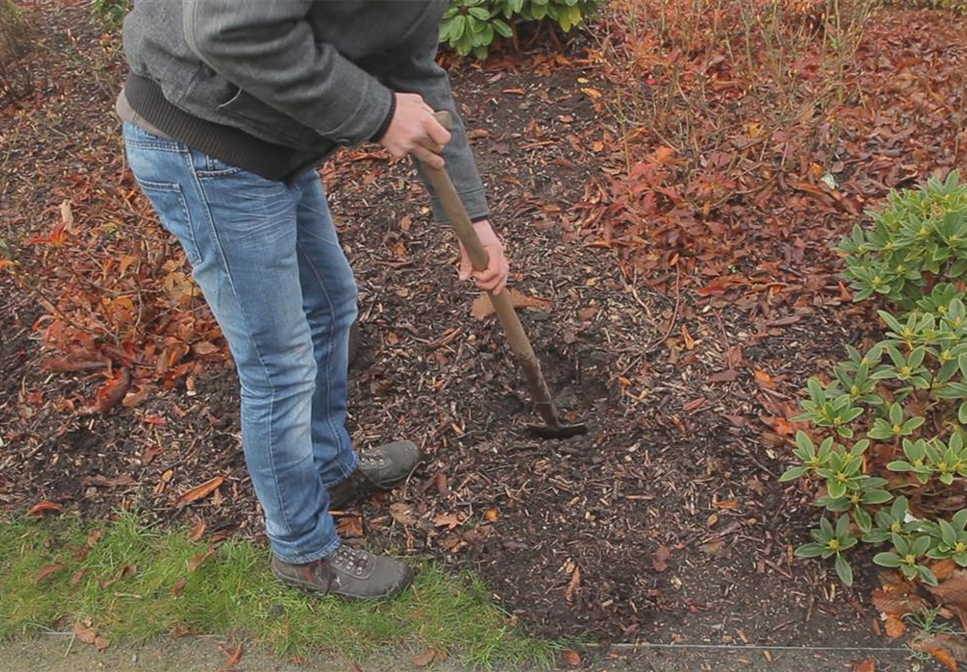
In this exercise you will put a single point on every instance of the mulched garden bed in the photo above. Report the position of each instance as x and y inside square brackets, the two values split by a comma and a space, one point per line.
[665, 523]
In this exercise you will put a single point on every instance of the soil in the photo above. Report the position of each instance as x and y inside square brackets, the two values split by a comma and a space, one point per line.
[665, 523]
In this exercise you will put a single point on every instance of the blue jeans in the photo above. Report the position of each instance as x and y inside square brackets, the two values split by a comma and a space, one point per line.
[268, 260]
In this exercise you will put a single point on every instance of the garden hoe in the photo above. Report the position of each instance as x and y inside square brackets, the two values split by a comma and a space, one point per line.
[457, 213]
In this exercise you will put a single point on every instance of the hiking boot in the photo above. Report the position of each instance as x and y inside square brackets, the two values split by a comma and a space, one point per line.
[379, 470]
[349, 573]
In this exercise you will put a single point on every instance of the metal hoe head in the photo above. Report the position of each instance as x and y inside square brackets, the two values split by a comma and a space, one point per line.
[560, 432]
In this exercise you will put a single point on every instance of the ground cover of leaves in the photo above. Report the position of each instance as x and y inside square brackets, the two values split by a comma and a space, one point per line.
[666, 522]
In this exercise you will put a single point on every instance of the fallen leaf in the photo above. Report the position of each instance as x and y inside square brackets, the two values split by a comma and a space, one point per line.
[573, 584]
[204, 348]
[689, 341]
[482, 307]
[84, 632]
[448, 520]
[149, 453]
[660, 562]
[122, 481]
[198, 531]
[196, 560]
[179, 586]
[726, 376]
[350, 527]
[864, 666]
[425, 658]
[110, 394]
[47, 571]
[942, 569]
[43, 508]
[78, 575]
[199, 491]
[935, 647]
[402, 514]
[490, 515]
[234, 658]
[894, 626]
[953, 591]
[571, 658]
[101, 643]
[93, 537]
[764, 379]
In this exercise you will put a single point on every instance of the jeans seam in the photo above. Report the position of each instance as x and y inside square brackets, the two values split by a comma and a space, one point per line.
[332, 312]
[216, 241]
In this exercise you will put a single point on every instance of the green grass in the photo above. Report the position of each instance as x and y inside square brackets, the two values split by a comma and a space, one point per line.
[233, 593]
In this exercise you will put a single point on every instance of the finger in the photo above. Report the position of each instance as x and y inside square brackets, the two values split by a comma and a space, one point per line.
[505, 271]
[434, 147]
[465, 268]
[428, 157]
[436, 131]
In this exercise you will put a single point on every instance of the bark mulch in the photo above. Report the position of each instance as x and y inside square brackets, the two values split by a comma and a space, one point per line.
[665, 523]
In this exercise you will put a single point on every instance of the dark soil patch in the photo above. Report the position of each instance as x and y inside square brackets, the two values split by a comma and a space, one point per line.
[665, 523]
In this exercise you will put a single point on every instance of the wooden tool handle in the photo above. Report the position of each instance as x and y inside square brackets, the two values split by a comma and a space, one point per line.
[454, 208]
[460, 220]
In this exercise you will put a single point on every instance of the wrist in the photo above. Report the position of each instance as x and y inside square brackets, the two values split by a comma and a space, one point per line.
[384, 126]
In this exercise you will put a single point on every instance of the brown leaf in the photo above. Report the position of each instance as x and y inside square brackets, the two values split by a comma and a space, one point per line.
[942, 569]
[571, 658]
[234, 658]
[953, 591]
[110, 394]
[490, 515]
[196, 560]
[482, 307]
[78, 360]
[93, 537]
[425, 658]
[101, 643]
[441, 484]
[122, 481]
[149, 453]
[726, 376]
[179, 586]
[78, 575]
[449, 520]
[955, 644]
[573, 584]
[43, 508]
[351, 526]
[47, 571]
[84, 632]
[197, 531]
[199, 491]
[402, 514]
[764, 378]
[204, 348]
[895, 627]
[864, 666]
[936, 647]
[660, 562]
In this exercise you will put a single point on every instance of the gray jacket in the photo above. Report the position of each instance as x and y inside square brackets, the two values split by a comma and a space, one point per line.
[303, 74]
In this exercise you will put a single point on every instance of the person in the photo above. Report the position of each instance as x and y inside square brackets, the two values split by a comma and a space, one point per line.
[228, 109]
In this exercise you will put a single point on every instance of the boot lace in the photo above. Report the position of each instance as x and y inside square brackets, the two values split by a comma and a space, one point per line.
[350, 559]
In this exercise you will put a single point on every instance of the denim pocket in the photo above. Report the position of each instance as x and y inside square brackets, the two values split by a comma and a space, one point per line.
[216, 168]
[169, 202]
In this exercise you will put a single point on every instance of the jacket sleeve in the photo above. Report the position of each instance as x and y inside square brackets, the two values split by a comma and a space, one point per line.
[421, 74]
[267, 49]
